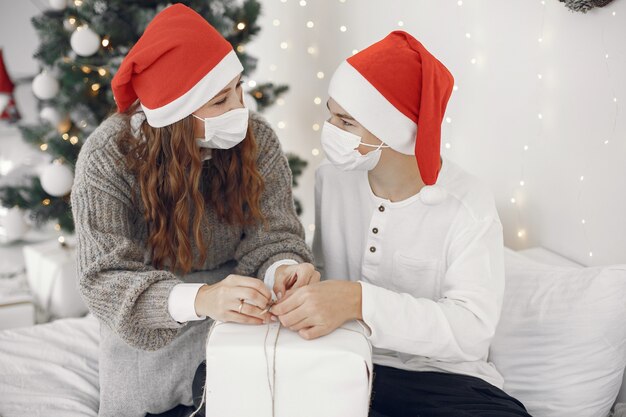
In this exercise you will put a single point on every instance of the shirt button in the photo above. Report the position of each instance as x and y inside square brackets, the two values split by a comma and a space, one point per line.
[372, 249]
[381, 208]
[375, 230]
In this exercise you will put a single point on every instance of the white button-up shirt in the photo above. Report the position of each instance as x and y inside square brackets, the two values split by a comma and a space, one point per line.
[432, 275]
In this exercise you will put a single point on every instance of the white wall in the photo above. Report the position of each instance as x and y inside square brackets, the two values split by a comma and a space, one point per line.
[495, 111]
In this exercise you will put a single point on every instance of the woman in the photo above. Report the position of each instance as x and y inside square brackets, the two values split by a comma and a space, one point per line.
[181, 180]
[413, 249]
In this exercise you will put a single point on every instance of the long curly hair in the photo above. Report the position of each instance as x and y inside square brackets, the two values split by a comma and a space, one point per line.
[175, 187]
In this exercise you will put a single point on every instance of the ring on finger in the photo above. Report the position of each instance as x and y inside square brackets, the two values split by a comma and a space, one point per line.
[241, 305]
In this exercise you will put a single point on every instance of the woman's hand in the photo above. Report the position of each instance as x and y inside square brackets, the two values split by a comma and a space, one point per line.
[288, 278]
[223, 301]
[317, 309]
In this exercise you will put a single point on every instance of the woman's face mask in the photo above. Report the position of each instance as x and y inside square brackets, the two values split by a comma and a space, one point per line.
[224, 131]
[340, 148]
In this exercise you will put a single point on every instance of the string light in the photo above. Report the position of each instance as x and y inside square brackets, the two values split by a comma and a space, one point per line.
[513, 200]
[343, 28]
[65, 136]
[447, 145]
[95, 87]
[284, 45]
[74, 140]
[43, 147]
[320, 75]
[310, 24]
[448, 120]
[241, 49]
[315, 152]
[522, 183]
[46, 202]
[61, 239]
[102, 72]
[355, 51]
[276, 22]
[468, 35]
[241, 26]
[317, 100]
[251, 83]
[316, 127]
[281, 125]
[302, 3]
[400, 23]
[311, 50]
[311, 228]
[280, 101]
[57, 227]
[105, 42]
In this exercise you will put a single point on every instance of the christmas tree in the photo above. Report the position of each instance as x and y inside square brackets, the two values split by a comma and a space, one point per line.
[83, 43]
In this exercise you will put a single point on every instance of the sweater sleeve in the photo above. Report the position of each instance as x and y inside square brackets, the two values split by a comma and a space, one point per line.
[128, 295]
[460, 325]
[283, 238]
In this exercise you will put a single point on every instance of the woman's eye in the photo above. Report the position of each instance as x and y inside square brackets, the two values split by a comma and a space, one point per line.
[239, 84]
[222, 101]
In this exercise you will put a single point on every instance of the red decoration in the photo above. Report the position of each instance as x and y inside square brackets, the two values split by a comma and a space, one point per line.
[6, 88]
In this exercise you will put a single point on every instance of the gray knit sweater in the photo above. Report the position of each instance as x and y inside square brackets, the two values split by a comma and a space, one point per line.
[116, 278]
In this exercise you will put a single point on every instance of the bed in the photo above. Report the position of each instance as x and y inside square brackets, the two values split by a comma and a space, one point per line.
[52, 369]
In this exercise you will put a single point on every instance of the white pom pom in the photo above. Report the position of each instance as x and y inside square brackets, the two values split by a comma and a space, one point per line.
[432, 195]
[50, 115]
[45, 86]
[84, 41]
[56, 179]
[58, 4]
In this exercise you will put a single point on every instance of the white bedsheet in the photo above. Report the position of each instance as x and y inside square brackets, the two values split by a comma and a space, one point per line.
[50, 369]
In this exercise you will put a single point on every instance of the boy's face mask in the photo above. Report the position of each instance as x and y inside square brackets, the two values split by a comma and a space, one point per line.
[340, 148]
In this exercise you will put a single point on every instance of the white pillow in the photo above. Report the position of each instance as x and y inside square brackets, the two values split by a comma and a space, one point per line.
[561, 340]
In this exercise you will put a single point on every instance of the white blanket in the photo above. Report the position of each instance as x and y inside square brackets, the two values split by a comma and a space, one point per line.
[50, 369]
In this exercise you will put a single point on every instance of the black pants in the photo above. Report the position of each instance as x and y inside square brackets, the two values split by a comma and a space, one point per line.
[398, 393]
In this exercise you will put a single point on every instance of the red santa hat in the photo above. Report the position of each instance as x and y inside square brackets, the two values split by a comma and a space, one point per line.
[398, 91]
[179, 63]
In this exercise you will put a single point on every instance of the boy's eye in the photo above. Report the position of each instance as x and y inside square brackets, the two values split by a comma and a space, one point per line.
[343, 122]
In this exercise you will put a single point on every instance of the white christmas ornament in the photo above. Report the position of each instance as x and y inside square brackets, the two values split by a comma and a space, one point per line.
[58, 4]
[56, 179]
[45, 86]
[84, 41]
[13, 226]
[50, 115]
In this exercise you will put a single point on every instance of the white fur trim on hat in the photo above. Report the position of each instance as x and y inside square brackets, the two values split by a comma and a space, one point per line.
[371, 109]
[432, 194]
[211, 84]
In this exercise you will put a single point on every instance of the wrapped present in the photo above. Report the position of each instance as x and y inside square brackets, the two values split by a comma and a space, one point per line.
[270, 371]
[51, 272]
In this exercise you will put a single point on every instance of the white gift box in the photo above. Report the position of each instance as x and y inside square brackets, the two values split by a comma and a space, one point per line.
[51, 272]
[270, 371]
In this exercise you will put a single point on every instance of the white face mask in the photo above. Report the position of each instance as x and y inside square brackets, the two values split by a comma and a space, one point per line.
[340, 148]
[224, 131]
